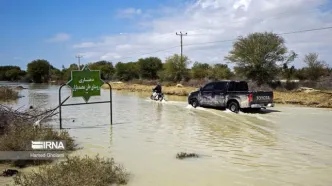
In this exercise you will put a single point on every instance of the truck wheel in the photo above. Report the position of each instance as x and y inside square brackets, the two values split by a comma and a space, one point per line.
[233, 106]
[194, 103]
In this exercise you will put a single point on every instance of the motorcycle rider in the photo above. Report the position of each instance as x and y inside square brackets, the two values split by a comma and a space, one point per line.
[157, 89]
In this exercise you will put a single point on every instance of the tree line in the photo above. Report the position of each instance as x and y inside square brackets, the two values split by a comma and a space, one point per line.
[261, 57]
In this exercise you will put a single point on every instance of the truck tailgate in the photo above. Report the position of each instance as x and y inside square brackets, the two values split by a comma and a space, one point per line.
[262, 97]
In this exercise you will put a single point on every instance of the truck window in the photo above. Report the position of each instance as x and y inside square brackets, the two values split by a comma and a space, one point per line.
[209, 86]
[241, 86]
[220, 86]
[231, 86]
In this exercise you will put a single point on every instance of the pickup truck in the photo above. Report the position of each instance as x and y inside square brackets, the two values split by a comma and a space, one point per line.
[234, 95]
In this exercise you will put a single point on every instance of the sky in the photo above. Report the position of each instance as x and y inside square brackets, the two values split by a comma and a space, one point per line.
[127, 30]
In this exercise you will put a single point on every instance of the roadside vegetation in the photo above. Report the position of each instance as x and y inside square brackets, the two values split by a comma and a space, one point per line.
[76, 171]
[274, 71]
[8, 94]
[17, 130]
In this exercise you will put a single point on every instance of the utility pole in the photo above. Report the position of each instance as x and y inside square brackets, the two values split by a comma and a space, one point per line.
[79, 61]
[181, 35]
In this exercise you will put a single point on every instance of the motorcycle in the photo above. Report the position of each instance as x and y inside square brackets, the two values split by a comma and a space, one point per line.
[157, 97]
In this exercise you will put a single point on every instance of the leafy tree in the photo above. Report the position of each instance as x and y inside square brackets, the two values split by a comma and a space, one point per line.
[149, 67]
[260, 56]
[316, 68]
[175, 68]
[106, 68]
[11, 73]
[39, 70]
[288, 73]
[200, 70]
[66, 72]
[55, 73]
[220, 71]
[301, 74]
[127, 71]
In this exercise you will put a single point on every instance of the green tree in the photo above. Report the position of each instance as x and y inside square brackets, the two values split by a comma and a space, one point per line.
[316, 68]
[39, 70]
[127, 71]
[66, 72]
[106, 68]
[175, 69]
[200, 70]
[288, 73]
[260, 56]
[55, 73]
[11, 73]
[149, 67]
[301, 74]
[220, 71]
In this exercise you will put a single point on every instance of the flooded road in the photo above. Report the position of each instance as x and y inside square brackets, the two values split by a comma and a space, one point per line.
[288, 145]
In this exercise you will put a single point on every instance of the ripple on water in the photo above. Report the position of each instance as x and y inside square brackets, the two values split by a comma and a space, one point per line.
[289, 147]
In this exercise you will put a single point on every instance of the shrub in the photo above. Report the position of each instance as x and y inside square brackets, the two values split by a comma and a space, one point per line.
[17, 131]
[7, 93]
[76, 171]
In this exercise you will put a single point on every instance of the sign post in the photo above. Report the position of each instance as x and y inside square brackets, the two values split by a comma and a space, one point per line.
[85, 83]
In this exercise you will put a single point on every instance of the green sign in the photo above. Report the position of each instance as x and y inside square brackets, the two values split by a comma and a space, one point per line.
[85, 83]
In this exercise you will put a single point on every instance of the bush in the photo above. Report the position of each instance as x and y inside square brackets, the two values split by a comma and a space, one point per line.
[7, 93]
[17, 131]
[19, 137]
[76, 171]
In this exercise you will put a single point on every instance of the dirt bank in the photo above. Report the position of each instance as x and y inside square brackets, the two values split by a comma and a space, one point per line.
[169, 90]
[320, 99]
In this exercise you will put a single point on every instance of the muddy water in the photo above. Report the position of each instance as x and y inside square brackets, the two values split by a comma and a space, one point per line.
[288, 145]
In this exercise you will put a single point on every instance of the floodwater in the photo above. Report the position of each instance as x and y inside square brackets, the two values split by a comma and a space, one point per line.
[286, 145]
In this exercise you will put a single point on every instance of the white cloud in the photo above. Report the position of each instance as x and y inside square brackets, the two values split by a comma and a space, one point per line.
[217, 20]
[18, 58]
[60, 37]
[129, 12]
[84, 45]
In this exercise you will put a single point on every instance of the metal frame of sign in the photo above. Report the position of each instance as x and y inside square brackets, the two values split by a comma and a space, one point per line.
[61, 103]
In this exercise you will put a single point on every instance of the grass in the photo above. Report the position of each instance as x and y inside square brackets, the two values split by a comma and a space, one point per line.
[19, 137]
[169, 90]
[319, 99]
[76, 171]
[8, 94]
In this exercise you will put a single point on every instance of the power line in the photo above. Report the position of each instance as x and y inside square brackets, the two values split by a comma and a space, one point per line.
[228, 40]
[79, 61]
[285, 33]
[181, 35]
[252, 18]
[309, 30]
[168, 35]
